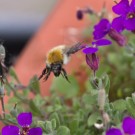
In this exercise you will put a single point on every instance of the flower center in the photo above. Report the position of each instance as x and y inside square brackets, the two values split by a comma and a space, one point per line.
[131, 15]
[94, 45]
[25, 130]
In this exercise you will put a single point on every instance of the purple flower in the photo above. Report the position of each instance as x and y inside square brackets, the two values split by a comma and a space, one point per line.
[128, 126]
[24, 120]
[127, 15]
[113, 131]
[101, 29]
[95, 44]
[104, 28]
[91, 59]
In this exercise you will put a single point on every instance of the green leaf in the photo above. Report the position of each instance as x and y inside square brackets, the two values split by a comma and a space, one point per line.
[48, 126]
[119, 105]
[69, 90]
[53, 121]
[34, 85]
[73, 126]
[10, 119]
[93, 118]
[34, 109]
[130, 106]
[56, 117]
[14, 112]
[13, 74]
[133, 97]
[41, 124]
[106, 81]
[39, 101]
[132, 73]
[89, 99]
[62, 130]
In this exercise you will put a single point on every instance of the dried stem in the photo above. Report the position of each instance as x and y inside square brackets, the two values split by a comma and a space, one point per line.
[115, 2]
[2, 104]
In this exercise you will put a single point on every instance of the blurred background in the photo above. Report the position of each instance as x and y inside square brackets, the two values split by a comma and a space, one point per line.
[19, 20]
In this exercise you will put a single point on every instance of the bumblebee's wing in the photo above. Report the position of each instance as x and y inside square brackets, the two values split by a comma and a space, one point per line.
[75, 48]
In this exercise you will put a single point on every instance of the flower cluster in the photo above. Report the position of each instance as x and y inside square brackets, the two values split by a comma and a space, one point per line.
[24, 120]
[128, 126]
[126, 12]
[91, 58]
[103, 28]
[126, 20]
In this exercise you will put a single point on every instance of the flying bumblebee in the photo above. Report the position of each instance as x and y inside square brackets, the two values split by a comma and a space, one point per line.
[55, 59]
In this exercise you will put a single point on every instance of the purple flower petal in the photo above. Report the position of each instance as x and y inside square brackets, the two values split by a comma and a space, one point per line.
[99, 34]
[121, 8]
[118, 23]
[102, 42]
[103, 24]
[25, 119]
[10, 130]
[35, 131]
[90, 50]
[129, 125]
[132, 6]
[113, 131]
[101, 29]
[130, 24]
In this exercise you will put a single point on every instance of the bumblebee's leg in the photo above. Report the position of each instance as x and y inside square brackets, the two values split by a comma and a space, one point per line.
[4, 66]
[43, 73]
[2, 80]
[65, 74]
[62, 74]
[47, 75]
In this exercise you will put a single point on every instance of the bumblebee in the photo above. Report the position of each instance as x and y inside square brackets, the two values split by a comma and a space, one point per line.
[55, 59]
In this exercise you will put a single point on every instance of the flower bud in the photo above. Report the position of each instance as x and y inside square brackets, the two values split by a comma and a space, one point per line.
[2, 52]
[106, 118]
[1, 90]
[79, 14]
[14, 112]
[93, 61]
[116, 36]
[101, 99]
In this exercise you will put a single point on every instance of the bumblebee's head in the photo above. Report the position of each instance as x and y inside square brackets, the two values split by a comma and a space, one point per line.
[56, 69]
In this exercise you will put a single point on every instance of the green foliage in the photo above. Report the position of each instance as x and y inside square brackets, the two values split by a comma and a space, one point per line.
[68, 110]
[68, 114]
[62, 130]
[34, 85]
[66, 86]
[93, 118]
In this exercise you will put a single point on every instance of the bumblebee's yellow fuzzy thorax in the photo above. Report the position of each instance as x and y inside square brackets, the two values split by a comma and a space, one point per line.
[54, 56]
